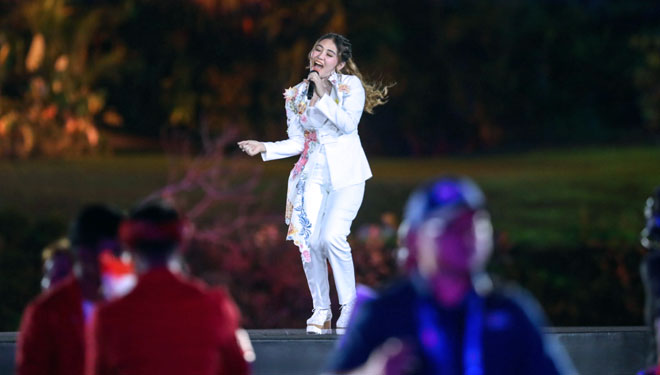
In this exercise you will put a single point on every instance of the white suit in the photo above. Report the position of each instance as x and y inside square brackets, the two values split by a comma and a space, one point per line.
[326, 185]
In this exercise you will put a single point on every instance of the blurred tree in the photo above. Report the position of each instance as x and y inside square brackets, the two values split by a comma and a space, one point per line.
[472, 75]
[647, 78]
[222, 63]
[478, 75]
[51, 56]
[21, 241]
[231, 238]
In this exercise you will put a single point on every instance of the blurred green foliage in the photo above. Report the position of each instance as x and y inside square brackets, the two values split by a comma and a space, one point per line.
[472, 75]
[647, 78]
[22, 238]
[567, 226]
[51, 99]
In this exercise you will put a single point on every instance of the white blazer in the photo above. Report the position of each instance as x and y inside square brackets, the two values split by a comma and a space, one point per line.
[342, 109]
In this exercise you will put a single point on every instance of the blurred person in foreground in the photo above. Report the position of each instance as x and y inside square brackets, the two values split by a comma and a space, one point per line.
[445, 317]
[650, 272]
[51, 338]
[166, 324]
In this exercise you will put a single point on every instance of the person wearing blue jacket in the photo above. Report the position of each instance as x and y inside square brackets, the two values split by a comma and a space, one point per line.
[445, 316]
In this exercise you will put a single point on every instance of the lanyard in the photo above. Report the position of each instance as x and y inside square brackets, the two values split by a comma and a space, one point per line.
[437, 346]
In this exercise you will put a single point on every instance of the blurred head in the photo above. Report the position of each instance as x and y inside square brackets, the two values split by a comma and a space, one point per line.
[446, 228]
[650, 236]
[153, 232]
[94, 230]
[330, 53]
[57, 262]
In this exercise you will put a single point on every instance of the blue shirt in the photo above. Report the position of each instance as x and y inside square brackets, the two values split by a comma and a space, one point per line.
[511, 340]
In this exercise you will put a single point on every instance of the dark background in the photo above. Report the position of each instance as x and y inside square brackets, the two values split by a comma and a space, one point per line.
[553, 106]
[471, 76]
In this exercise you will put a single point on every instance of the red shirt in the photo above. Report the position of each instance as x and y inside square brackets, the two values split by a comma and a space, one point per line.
[51, 337]
[166, 325]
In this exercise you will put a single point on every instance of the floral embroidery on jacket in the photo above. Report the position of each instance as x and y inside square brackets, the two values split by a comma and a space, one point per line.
[304, 156]
[300, 228]
[296, 102]
[290, 93]
[302, 106]
[295, 99]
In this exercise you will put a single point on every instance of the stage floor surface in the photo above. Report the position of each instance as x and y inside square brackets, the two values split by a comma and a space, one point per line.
[594, 350]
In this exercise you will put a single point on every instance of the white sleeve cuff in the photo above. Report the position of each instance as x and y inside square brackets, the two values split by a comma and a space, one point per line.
[264, 155]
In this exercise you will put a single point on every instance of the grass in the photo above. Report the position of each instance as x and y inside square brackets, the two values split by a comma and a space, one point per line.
[60, 187]
[542, 199]
[567, 221]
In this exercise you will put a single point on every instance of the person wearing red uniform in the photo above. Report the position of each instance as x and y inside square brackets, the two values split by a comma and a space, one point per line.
[51, 338]
[166, 324]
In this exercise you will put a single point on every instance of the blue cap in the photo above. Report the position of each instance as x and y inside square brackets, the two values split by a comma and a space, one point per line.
[443, 197]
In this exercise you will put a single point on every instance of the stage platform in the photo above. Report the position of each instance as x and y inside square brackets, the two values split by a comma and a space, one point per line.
[594, 350]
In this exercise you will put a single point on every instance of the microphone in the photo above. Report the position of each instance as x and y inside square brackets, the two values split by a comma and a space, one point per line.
[311, 87]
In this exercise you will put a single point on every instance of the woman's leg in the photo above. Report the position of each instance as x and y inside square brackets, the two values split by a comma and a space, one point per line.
[316, 271]
[341, 207]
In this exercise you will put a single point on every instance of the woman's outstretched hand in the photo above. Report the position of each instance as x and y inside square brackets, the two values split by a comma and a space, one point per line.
[251, 147]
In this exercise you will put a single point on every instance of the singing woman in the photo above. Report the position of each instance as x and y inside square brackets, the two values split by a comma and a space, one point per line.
[326, 185]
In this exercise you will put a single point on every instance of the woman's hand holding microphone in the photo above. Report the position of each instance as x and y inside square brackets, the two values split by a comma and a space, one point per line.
[321, 86]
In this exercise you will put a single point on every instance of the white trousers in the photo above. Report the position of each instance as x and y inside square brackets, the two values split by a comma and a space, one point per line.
[330, 213]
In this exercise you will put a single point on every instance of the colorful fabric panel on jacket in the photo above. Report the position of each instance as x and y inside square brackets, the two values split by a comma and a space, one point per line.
[300, 228]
